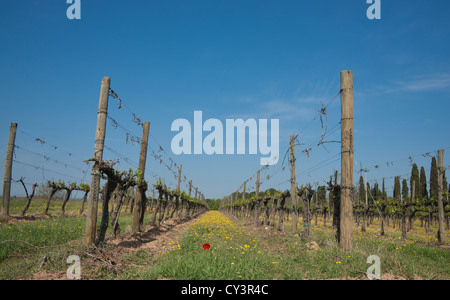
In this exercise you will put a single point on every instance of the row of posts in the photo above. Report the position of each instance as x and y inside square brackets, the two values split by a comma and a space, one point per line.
[91, 219]
[347, 159]
[345, 215]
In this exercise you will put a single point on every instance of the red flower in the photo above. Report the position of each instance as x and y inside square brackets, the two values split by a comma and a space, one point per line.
[206, 246]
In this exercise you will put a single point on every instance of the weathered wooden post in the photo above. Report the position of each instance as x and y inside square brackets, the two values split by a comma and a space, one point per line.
[8, 170]
[441, 231]
[189, 194]
[411, 208]
[140, 193]
[235, 199]
[243, 199]
[258, 172]
[177, 196]
[91, 219]
[257, 197]
[294, 202]
[347, 145]
[365, 207]
[179, 177]
[190, 187]
[336, 205]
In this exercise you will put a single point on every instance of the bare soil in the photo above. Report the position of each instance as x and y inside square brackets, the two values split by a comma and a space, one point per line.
[111, 257]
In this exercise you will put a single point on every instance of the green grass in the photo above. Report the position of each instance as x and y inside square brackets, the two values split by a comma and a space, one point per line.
[24, 243]
[38, 205]
[236, 252]
[233, 255]
[410, 261]
[18, 237]
[404, 258]
[273, 255]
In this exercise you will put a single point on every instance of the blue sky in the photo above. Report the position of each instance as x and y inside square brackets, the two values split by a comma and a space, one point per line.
[229, 59]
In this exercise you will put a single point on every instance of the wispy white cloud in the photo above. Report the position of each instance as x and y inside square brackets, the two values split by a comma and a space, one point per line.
[287, 110]
[431, 82]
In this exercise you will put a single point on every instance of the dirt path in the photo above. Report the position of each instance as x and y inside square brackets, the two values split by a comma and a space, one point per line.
[111, 258]
[154, 239]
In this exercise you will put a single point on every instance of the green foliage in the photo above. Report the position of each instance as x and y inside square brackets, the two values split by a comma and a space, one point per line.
[362, 190]
[271, 192]
[69, 186]
[84, 187]
[434, 179]
[139, 175]
[423, 193]
[163, 189]
[445, 183]
[414, 179]
[376, 193]
[397, 194]
[405, 189]
[213, 204]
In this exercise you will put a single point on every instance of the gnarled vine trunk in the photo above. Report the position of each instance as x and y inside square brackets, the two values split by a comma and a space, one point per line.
[107, 191]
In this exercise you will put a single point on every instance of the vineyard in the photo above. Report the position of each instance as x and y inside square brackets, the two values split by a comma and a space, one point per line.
[371, 206]
[132, 224]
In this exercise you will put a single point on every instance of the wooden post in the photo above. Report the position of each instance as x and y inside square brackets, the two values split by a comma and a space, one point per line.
[413, 196]
[178, 198]
[137, 210]
[441, 231]
[234, 201]
[365, 207]
[179, 177]
[347, 145]
[293, 188]
[257, 210]
[243, 198]
[8, 170]
[365, 187]
[91, 219]
[336, 205]
[257, 182]
[190, 187]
